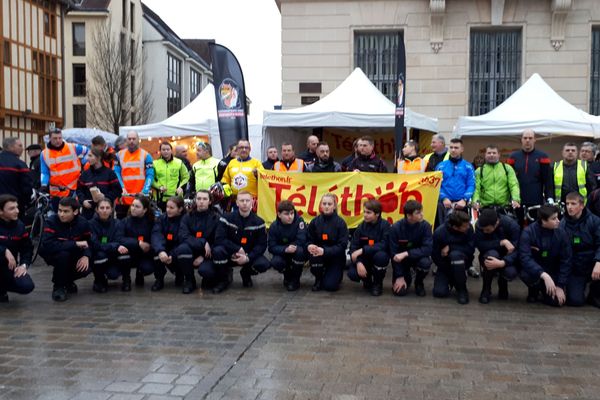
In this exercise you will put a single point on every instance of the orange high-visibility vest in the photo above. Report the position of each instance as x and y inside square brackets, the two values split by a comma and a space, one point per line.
[133, 172]
[415, 166]
[296, 166]
[65, 168]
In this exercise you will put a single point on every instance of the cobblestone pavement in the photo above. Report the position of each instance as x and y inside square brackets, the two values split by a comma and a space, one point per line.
[266, 343]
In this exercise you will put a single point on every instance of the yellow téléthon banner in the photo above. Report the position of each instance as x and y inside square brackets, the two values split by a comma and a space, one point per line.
[352, 189]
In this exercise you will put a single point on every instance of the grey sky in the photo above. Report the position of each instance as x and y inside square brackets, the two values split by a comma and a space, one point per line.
[251, 29]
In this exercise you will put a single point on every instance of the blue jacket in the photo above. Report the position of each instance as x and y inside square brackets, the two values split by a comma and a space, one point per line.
[546, 250]
[584, 235]
[458, 181]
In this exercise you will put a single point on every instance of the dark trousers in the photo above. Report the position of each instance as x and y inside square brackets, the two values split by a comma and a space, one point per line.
[329, 270]
[222, 265]
[537, 285]
[451, 272]
[8, 282]
[290, 265]
[576, 286]
[160, 269]
[506, 274]
[144, 263]
[64, 265]
[404, 269]
[105, 265]
[185, 260]
[375, 265]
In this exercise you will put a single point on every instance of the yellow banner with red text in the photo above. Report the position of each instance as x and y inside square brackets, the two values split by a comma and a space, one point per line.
[352, 189]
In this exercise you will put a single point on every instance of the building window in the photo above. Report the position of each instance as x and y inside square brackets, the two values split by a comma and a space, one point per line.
[195, 83]
[124, 10]
[376, 54]
[78, 79]
[595, 73]
[173, 85]
[49, 24]
[131, 15]
[79, 119]
[494, 68]
[79, 39]
[6, 53]
[47, 69]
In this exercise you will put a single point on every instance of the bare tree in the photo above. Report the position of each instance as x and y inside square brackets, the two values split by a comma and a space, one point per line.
[115, 97]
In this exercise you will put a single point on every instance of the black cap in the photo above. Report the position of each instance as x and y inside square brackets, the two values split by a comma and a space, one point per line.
[34, 147]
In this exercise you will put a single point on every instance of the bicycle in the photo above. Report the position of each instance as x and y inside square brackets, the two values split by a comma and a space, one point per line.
[36, 229]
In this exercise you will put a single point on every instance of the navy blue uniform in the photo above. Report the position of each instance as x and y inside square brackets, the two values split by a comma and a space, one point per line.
[166, 236]
[15, 179]
[59, 250]
[451, 268]
[488, 245]
[331, 233]
[584, 235]
[417, 240]
[370, 163]
[545, 250]
[196, 230]
[134, 230]
[289, 264]
[372, 238]
[534, 175]
[104, 179]
[15, 238]
[234, 233]
[106, 239]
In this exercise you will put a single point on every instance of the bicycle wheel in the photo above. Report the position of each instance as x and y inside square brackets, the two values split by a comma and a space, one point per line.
[37, 228]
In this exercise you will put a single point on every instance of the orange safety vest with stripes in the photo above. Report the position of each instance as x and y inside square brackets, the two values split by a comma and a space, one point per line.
[133, 172]
[406, 166]
[296, 166]
[65, 168]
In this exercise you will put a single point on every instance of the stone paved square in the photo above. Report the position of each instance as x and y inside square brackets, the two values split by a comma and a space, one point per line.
[266, 343]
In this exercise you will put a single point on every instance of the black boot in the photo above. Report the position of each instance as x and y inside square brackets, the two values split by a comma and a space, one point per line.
[318, 280]
[158, 285]
[287, 277]
[419, 285]
[100, 284]
[126, 285]
[189, 285]
[486, 290]
[246, 274]
[377, 287]
[139, 278]
[462, 295]
[59, 294]
[502, 288]
[178, 279]
[224, 282]
[3, 297]
[532, 294]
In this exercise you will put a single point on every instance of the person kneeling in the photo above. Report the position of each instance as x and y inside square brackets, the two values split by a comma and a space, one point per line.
[166, 238]
[15, 250]
[287, 241]
[241, 241]
[66, 247]
[198, 230]
[545, 254]
[453, 251]
[368, 249]
[106, 239]
[410, 245]
[326, 245]
[496, 238]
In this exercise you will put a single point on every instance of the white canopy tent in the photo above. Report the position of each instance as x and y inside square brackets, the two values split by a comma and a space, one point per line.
[355, 103]
[533, 106]
[196, 119]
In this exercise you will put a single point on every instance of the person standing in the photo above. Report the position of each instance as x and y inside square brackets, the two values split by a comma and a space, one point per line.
[309, 156]
[345, 164]
[587, 153]
[34, 151]
[15, 250]
[571, 175]
[325, 162]
[181, 152]
[205, 170]
[242, 172]
[60, 167]
[96, 183]
[532, 168]
[272, 158]
[231, 155]
[289, 162]
[367, 160]
[439, 152]
[496, 184]
[135, 171]
[170, 176]
[15, 176]
[411, 163]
